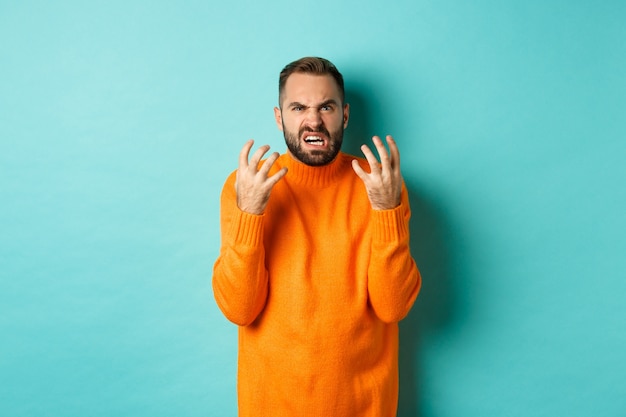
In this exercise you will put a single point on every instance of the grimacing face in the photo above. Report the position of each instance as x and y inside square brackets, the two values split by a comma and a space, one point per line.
[312, 118]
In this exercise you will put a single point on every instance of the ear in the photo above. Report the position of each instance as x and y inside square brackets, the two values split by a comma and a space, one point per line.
[279, 118]
[346, 115]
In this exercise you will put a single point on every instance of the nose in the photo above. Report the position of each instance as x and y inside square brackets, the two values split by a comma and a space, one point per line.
[314, 118]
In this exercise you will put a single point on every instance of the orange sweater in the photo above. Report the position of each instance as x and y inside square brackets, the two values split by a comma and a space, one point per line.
[317, 285]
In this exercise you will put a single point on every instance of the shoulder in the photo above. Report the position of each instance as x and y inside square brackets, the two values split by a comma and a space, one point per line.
[231, 179]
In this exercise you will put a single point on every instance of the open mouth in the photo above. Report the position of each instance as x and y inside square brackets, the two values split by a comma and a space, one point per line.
[315, 139]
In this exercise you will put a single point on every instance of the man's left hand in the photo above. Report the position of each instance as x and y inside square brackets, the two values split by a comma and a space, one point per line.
[384, 182]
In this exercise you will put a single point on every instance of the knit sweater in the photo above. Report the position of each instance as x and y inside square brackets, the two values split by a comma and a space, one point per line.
[317, 285]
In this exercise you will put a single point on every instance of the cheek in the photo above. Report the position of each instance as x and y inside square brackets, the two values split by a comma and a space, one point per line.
[334, 122]
[289, 123]
[297, 123]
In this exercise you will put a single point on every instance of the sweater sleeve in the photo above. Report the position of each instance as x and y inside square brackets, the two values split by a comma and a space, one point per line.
[393, 278]
[240, 279]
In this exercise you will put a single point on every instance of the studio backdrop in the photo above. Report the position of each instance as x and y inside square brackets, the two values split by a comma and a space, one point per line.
[120, 121]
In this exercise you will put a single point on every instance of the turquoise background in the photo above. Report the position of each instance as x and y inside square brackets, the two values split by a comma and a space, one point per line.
[119, 122]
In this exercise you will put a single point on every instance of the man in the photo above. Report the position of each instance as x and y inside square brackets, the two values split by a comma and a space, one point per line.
[314, 264]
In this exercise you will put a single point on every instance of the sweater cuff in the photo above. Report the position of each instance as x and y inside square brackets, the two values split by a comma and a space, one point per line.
[247, 229]
[390, 225]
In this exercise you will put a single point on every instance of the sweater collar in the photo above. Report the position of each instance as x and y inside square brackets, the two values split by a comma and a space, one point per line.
[311, 176]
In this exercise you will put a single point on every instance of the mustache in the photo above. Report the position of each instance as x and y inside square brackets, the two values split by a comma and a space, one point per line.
[321, 129]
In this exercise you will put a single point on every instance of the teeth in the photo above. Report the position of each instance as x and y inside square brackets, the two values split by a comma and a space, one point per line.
[313, 139]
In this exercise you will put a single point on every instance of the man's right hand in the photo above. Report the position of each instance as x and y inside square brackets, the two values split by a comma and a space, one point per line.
[253, 185]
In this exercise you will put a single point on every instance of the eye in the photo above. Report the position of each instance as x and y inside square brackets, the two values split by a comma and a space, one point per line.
[326, 107]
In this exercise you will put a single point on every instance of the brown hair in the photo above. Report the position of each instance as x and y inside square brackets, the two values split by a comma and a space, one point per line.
[310, 65]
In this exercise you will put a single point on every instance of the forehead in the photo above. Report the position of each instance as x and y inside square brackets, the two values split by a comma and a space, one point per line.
[310, 88]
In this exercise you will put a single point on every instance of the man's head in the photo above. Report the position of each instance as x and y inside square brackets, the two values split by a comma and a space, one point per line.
[312, 114]
[313, 66]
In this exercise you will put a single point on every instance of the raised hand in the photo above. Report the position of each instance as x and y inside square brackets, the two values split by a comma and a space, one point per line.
[253, 185]
[384, 182]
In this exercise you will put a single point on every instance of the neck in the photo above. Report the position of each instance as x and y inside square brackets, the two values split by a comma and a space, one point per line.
[315, 176]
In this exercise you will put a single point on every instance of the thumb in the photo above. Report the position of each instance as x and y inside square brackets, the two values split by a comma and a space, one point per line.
[360, 172]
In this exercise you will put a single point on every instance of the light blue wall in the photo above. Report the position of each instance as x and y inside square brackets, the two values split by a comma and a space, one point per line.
[119, 122]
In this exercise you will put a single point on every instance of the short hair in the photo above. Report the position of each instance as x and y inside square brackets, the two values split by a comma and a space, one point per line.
[310, 65]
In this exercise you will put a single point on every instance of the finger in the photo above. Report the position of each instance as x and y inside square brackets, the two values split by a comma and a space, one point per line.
[267, 165]
[277, 177]
[394, 151]
[256, 156]
[243, 155]
[382, 153]
[360, 172]
[371, 158]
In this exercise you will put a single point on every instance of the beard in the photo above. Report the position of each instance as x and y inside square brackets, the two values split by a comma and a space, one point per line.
[314, 158]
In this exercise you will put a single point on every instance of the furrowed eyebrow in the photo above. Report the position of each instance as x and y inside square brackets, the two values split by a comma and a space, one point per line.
[296, 104]
[329, 102]
[322, 104]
